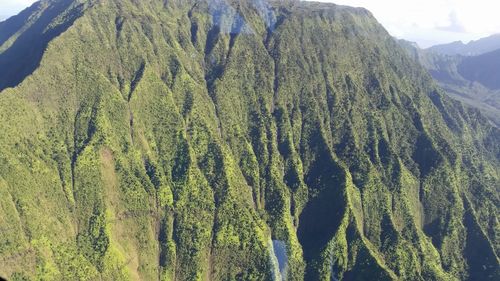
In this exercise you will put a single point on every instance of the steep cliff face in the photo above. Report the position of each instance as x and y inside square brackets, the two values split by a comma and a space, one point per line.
[235, 140]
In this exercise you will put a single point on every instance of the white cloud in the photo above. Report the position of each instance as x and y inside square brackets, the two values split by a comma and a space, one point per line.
[434, 21]
[454, 25]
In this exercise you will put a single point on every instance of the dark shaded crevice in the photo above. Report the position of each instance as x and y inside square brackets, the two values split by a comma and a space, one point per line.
[350, 85]
[291, 177]
[194, 26]
[213, 68]
[119, 26]
[426, 156]
[271, 29]
[211, 76]
[163, 240]
[365, 266]
[434, 229]
[210, 81]
[346, 147]
[275, 85]
[384, 151]
[212, 39]
[135, 81]
[133, 86]
[213, 71]
[75, 153]
[187, 107]
[478, 252]
[25, 54]
[330, 95]
[131, 124]
[175, 67]
[216, 68]
[194, 33]
[322, 215]
[182, 163]
[232, 40]
[152, 173]
[417, 122]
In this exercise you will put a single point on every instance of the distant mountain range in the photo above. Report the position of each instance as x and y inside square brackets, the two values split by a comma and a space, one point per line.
[473, 48]
[469, 78]
[484, 69]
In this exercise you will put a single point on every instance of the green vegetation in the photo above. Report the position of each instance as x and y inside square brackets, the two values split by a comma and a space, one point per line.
[206, 140]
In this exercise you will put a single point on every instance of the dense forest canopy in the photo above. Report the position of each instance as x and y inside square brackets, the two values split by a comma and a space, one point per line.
[234, 140]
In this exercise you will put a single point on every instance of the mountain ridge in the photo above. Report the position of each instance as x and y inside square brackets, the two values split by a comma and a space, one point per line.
[470, 79]
[483, 69]
[473, 48]
[240, 140]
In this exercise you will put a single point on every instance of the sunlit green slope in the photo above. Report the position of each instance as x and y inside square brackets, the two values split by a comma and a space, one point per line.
[234, 140]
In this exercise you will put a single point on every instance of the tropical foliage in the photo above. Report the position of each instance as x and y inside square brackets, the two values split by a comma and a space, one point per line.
[234, 140]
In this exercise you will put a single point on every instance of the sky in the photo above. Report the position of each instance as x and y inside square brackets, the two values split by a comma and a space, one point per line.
[12, 7]
[427, 22]
[430, 22]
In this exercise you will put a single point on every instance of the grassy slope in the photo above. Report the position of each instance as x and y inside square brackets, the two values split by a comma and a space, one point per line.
[177, 141]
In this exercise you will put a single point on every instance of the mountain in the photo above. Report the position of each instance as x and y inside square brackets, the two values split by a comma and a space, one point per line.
[484, 69]
[234, 140]
[470, 79]
[473, 48]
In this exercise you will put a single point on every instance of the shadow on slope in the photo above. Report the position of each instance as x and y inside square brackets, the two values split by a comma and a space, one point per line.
[483, 264]
[24, 55]
[323, 214]
[483, 69]
[13, 24]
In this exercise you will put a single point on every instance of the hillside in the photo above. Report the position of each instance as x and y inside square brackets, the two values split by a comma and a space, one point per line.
[234, 140]
[473, 48]
[470, 79]
[483, 69]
